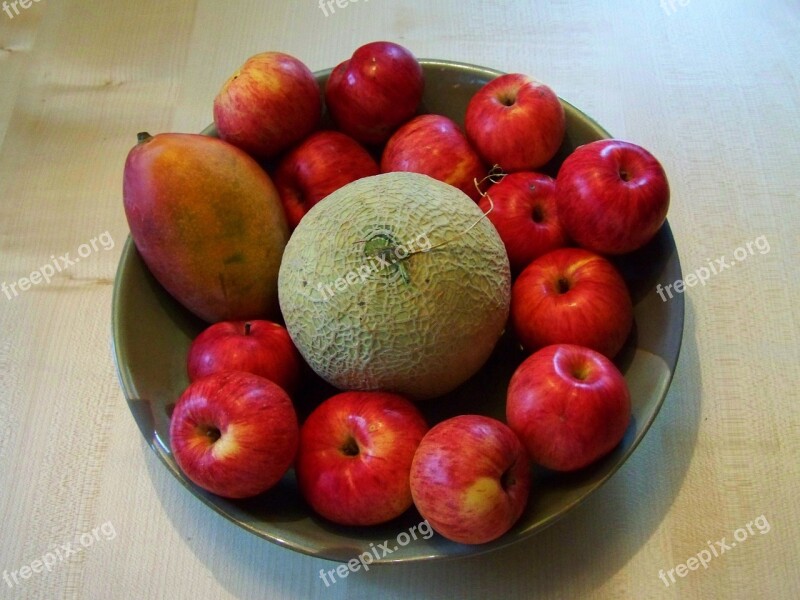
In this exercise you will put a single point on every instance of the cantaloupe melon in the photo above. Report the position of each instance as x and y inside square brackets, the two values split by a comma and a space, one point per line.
[374, 302]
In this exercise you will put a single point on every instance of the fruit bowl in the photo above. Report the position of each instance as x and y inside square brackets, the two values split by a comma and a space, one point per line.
[152, 333]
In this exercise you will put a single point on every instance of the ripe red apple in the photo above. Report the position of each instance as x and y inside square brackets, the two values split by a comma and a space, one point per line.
[320, 165]
[269, 104]
[260, 347]
[435, 146]
[470, 478]
[571, 296]
[516, 122]
[234, 433]
[612, 196]
[355, 455]
[374, 92]
[569, 405]
[525, 215]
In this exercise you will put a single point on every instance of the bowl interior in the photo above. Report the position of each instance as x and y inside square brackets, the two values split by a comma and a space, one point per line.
[152, 333]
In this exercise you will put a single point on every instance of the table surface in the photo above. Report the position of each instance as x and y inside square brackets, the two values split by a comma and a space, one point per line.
[710, 87]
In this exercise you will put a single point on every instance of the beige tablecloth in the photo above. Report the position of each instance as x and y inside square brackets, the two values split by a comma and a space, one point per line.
[710, 87]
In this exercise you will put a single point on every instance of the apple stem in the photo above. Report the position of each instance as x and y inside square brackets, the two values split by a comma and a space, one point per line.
[350, 447]
[507, 479]
[143, 136]
[247, 328]
[211, 432]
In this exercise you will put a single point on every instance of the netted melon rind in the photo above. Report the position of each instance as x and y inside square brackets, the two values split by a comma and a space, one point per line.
[421, 337]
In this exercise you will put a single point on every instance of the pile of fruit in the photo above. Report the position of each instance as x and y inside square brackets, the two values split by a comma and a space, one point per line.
[389, 252]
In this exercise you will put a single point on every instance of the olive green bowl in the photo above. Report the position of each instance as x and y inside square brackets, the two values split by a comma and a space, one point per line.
[152, 333]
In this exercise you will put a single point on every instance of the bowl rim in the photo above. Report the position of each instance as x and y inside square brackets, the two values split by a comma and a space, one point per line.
[135, 403]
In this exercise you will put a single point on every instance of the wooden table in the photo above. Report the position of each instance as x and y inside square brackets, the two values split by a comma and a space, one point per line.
[710, 87]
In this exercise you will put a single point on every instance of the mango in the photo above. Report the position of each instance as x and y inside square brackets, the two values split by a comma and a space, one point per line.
[208, 223]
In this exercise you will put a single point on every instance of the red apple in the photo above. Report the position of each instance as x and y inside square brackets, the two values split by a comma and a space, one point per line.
[569, 405]
[571, 296]
[470, 478]
[259, 347]
[516, 122]
[234, 433]
[374, 92]
[612, 196]
[525, 215]
[435, 146]
[320, 165]
[269, 104]
[355, 455]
